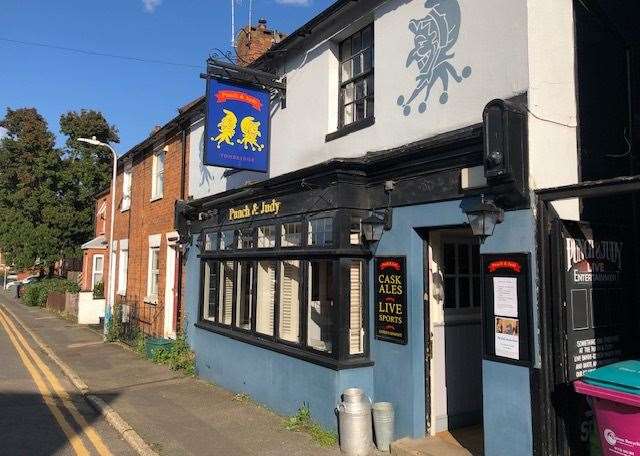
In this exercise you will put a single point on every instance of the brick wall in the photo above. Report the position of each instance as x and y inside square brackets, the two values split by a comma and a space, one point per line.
[253, 41]
[147, 217]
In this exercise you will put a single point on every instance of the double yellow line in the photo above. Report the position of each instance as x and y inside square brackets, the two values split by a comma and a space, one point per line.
[30, 359]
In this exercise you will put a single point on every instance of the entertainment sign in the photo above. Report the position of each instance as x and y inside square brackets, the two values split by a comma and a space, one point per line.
[237, 126]
[391, 299]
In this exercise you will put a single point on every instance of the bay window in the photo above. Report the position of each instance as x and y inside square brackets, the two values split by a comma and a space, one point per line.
[296, 286]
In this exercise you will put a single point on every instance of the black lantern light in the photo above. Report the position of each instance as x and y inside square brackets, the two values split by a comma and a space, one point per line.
[483, 216]
[372, 228]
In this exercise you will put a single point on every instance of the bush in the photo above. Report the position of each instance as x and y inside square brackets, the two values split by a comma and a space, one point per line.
[35, 294]
[178, 356]
[98, 290]
[115, 327]
[303, 422]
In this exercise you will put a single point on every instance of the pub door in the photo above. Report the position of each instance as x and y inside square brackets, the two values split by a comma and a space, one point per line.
[454, 330]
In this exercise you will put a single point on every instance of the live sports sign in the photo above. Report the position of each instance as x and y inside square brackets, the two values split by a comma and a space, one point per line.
[391, 299]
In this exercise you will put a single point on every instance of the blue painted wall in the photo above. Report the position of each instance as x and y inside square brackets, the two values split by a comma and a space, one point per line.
[506, 388]
[280, 382]
[284, 383]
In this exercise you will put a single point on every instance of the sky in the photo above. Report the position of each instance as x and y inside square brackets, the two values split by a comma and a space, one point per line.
[134, 96]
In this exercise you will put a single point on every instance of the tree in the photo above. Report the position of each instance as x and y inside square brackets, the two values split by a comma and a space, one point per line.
[87, 171]
[30, 167]
[47, 194]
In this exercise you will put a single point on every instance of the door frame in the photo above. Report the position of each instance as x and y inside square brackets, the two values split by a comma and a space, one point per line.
[169, 330]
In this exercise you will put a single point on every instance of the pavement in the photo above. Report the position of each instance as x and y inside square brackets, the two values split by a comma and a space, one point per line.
[173, 413]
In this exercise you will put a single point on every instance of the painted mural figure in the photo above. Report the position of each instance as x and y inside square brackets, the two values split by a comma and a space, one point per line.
[435, 35]
[250, 133]
[227, 128]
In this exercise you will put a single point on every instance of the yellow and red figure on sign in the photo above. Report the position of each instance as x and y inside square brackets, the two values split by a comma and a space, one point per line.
[230, 106]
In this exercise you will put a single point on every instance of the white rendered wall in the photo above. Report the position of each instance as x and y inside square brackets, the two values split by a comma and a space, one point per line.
[553, 158]
[492, 41]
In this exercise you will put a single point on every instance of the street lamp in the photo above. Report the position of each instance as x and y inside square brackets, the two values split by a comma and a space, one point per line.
[372, 228]
[110, 292]
[483, 216]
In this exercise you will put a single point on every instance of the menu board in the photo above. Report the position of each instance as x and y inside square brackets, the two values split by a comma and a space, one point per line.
[506, 307]
[594, 292]
[391, 299]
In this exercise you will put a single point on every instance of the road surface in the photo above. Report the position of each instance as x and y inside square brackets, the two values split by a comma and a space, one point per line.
[41, 413]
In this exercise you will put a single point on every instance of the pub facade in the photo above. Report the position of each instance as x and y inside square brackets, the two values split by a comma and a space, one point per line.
[373, 221]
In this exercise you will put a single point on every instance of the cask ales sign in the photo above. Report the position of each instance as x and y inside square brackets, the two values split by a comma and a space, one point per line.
[391, 299]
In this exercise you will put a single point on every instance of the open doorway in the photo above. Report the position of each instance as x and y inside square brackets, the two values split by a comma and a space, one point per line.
[454, 299]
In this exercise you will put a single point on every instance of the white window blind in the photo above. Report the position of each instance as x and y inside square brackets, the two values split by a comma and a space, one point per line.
[226, 298]
[157, 175]
[289, 301]
[126, 186]
[123, 261]
[356, 331]
[266, 297]
[97, 270]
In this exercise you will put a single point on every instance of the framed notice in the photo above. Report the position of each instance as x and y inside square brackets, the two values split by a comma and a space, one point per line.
[236, 126]
[507, 308]
[390, 301]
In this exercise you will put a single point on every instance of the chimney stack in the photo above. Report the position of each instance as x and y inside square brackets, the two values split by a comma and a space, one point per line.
[254, 41]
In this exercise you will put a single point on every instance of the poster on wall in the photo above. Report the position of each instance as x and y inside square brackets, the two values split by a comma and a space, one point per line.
[507, 337]
[237, 126]
[390, 300]
[507, 307]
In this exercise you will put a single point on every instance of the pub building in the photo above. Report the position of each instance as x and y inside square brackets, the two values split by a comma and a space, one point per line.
[455, 235]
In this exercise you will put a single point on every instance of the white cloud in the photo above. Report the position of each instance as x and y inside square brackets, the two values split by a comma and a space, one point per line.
[151, 5]
[295, 2]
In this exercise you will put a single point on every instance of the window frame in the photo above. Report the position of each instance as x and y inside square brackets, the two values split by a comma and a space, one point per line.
[93, 270]
[123, 271]
[127, 176]
[157, 175]
[367, 119]
[457, 310]
[151, 297]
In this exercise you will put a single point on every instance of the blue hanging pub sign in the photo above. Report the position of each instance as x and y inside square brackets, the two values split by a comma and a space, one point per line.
[237, 126]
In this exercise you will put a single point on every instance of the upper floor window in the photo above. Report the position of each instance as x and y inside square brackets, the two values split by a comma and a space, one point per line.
[126, 186]
[157, 174]
[356, 77]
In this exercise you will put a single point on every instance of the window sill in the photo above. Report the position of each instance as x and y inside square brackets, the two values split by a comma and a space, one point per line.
[125, 209]
[155, 198]
[121, 293]
[151, 300]
[288, 350]
[355, 126]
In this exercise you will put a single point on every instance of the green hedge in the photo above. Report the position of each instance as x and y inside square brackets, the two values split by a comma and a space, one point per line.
[36, 294]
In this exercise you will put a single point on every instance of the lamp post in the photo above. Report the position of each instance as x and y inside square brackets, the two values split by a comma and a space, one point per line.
[110, 292]
[483, 216]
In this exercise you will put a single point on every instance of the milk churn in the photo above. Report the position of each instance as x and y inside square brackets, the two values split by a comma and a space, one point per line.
[354, 414]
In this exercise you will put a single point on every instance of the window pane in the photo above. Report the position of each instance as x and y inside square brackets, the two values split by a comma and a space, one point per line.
[291, 234]
[155, 260]
[348, 93]
[211, 283]
[321, 232]
[449, 258]
[226, 292]
[348, 114]
[475, 258]
[347, 70]
[355, 232]
[289, 301]
[464, 287]
[463, 258]
[360, 89]
[211, 241]
[369, 109]
[359, 115]
[450, 293]
[356, 330]
[245, 239]
[345, 52]
[266, 236]
[244, 300]
[227, 239]
[367, 37]
[97, 263]
[320, 312]
[369, 85]
[357, 65]
[266, 293]
[356, 42]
